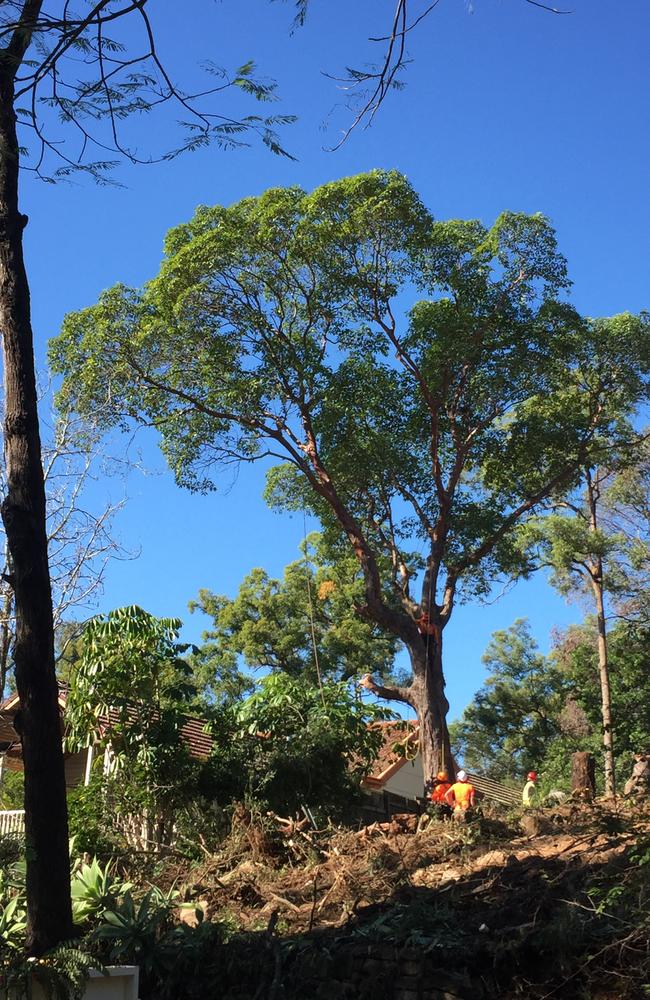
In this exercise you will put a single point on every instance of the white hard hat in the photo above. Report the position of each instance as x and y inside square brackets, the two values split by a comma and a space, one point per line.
[462, 775]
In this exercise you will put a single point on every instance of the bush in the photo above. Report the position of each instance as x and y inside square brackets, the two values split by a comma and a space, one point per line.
[12, 790]
[304, 745]
[91, 822]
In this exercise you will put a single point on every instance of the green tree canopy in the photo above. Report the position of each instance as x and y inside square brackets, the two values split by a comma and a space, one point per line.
[508, 727]
[304, 744]
[132, 668]
[279, 327]
[304, 624]
[575, 654]
[535, 710]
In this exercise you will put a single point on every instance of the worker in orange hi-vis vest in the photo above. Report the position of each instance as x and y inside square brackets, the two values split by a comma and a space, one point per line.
[439, 808]
[460, 796]
[441, 787]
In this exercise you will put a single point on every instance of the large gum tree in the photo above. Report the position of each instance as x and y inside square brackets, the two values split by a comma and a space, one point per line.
[418, 382]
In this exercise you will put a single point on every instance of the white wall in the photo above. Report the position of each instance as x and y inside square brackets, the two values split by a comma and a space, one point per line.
[408, 781]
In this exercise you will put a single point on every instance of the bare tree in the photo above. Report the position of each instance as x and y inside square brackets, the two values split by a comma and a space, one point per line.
[367, 88]
[67, 76]
[80, 537]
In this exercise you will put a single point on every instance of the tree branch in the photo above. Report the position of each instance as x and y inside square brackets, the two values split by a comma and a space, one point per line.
[387, 692]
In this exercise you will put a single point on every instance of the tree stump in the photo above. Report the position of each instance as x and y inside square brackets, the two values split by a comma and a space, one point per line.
[583, 776]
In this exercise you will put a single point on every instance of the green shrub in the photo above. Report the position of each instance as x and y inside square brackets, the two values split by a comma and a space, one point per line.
[95, 889]
[12, 790]
[91, 822]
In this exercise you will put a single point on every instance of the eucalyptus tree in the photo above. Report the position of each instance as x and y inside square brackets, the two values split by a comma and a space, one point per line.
[598, 537]
[278, 328]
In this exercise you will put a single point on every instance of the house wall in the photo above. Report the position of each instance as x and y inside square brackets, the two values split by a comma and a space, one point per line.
[408, 781]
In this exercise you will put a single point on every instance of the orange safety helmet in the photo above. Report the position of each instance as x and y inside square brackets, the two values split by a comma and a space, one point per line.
[442, 776]
[532, 776]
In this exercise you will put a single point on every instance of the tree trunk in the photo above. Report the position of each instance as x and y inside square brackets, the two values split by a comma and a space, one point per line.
[605, 693]
[431, 705]
[5, 636]
[583, 775]
[596, 577]
[23, 514]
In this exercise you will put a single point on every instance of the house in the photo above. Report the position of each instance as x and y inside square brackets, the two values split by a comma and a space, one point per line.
[77, 764]
[396, 782]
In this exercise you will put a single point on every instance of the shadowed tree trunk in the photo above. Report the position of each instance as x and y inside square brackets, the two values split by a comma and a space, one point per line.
[23, 514]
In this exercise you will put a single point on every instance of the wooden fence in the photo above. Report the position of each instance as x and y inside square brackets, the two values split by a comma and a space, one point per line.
[495, 790]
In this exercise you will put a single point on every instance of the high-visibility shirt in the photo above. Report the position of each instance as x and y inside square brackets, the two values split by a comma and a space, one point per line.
[529, 794]
[462, 792]
[439, 792]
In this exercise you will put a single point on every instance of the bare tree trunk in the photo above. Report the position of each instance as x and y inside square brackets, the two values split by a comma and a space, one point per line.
[596, 577]
[605, 692]
[431, 705]
[23, 514]
[6, 631]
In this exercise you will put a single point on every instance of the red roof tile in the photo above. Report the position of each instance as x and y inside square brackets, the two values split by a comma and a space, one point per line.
[197, 740]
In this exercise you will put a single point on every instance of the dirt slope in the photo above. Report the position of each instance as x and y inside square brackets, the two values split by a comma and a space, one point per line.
[481, 911]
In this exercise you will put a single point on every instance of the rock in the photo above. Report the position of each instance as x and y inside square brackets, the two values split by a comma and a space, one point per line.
[492, 859]
[193, 914]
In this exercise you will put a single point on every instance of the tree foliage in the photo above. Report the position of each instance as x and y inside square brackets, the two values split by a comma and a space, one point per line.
[118, 74]
[307, 745]
[304, 624]
[535, 710]
[131, 671]
[507, 728]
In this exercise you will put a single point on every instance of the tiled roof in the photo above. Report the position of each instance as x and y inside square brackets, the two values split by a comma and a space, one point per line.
[400, 744]
[198, 742]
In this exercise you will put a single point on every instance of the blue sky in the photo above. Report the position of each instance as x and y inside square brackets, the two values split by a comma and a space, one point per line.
[506, 106]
